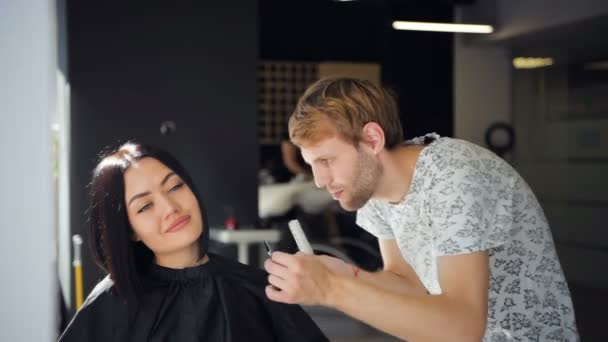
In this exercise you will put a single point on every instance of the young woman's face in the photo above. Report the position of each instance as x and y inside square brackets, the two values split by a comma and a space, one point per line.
[161, 208]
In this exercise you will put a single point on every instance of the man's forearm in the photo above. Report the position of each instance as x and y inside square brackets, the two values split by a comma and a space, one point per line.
[392, 282]
[408, 316]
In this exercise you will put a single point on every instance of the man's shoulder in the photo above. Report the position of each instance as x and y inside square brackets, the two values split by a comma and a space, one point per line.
[460, 148]
[450, 157]
[376, 211]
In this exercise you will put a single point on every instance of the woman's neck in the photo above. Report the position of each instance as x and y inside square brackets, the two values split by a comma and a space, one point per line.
[184, 258]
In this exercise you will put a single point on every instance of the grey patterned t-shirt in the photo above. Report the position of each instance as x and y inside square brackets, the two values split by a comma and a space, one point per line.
[465, 199]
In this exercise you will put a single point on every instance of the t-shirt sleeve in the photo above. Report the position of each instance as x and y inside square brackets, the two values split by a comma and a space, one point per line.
[372, 220]
[464, 211]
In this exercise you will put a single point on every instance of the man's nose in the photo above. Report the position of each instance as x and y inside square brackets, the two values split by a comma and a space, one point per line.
[321, 177]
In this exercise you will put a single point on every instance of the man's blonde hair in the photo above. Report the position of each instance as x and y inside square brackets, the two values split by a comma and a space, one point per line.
[342, 106]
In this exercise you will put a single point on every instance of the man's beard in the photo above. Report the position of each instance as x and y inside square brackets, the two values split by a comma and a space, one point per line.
[364, 182]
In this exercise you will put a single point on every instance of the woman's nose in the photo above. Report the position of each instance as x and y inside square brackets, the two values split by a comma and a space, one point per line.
[171, 206]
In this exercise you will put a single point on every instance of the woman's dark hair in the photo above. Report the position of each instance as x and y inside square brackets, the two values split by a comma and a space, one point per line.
[110, 236]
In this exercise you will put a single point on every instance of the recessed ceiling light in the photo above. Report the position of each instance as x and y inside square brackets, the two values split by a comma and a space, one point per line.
[600, 65]
[531, 62]
[442, 27]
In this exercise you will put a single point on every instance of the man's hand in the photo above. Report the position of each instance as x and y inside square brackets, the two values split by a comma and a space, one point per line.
[302, 278]
[337, 266]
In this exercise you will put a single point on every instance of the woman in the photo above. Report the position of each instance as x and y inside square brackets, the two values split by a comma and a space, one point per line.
[148, 231]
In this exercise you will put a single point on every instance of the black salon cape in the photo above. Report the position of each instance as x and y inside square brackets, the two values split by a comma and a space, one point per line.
[221, 300]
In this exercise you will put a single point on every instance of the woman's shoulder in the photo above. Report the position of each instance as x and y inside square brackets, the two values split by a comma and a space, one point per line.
[221, 262]
[224, 266]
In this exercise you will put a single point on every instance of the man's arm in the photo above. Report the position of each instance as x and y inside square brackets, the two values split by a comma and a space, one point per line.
[397, 275]
[458, 314]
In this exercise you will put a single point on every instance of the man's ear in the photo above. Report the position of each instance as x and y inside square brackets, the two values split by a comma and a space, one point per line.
[372, 135]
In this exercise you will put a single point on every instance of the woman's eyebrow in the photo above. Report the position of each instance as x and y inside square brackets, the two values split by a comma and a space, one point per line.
[138, 196]
[167, 177]
[146, 193]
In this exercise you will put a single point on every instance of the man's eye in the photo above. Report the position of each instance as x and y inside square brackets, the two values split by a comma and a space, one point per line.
[144, 208]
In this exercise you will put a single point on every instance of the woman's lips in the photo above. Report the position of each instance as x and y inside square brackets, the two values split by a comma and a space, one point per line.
[179, 224]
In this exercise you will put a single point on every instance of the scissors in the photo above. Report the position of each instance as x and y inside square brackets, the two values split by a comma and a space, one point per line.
[268, 249]
[269, 253]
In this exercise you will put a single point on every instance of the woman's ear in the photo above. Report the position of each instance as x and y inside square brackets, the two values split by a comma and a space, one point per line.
[373, 136]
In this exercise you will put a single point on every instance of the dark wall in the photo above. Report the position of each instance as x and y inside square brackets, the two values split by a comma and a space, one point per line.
[421, 69]
[133, 67]
[318, 30]
[416, 65]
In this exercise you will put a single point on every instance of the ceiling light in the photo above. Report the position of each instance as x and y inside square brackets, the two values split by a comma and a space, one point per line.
[442, 27]
[601, 65]
[531, 62]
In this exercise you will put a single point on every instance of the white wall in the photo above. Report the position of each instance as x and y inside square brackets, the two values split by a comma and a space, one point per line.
[482, 88]
[482, 66]
[27, 90]
[486, 90]
[517, 17]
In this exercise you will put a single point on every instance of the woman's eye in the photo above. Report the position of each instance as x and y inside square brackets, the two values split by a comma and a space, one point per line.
[144, 208]
[176, 187]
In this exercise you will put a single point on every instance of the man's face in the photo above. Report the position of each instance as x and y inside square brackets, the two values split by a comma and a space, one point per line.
[348, 173]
